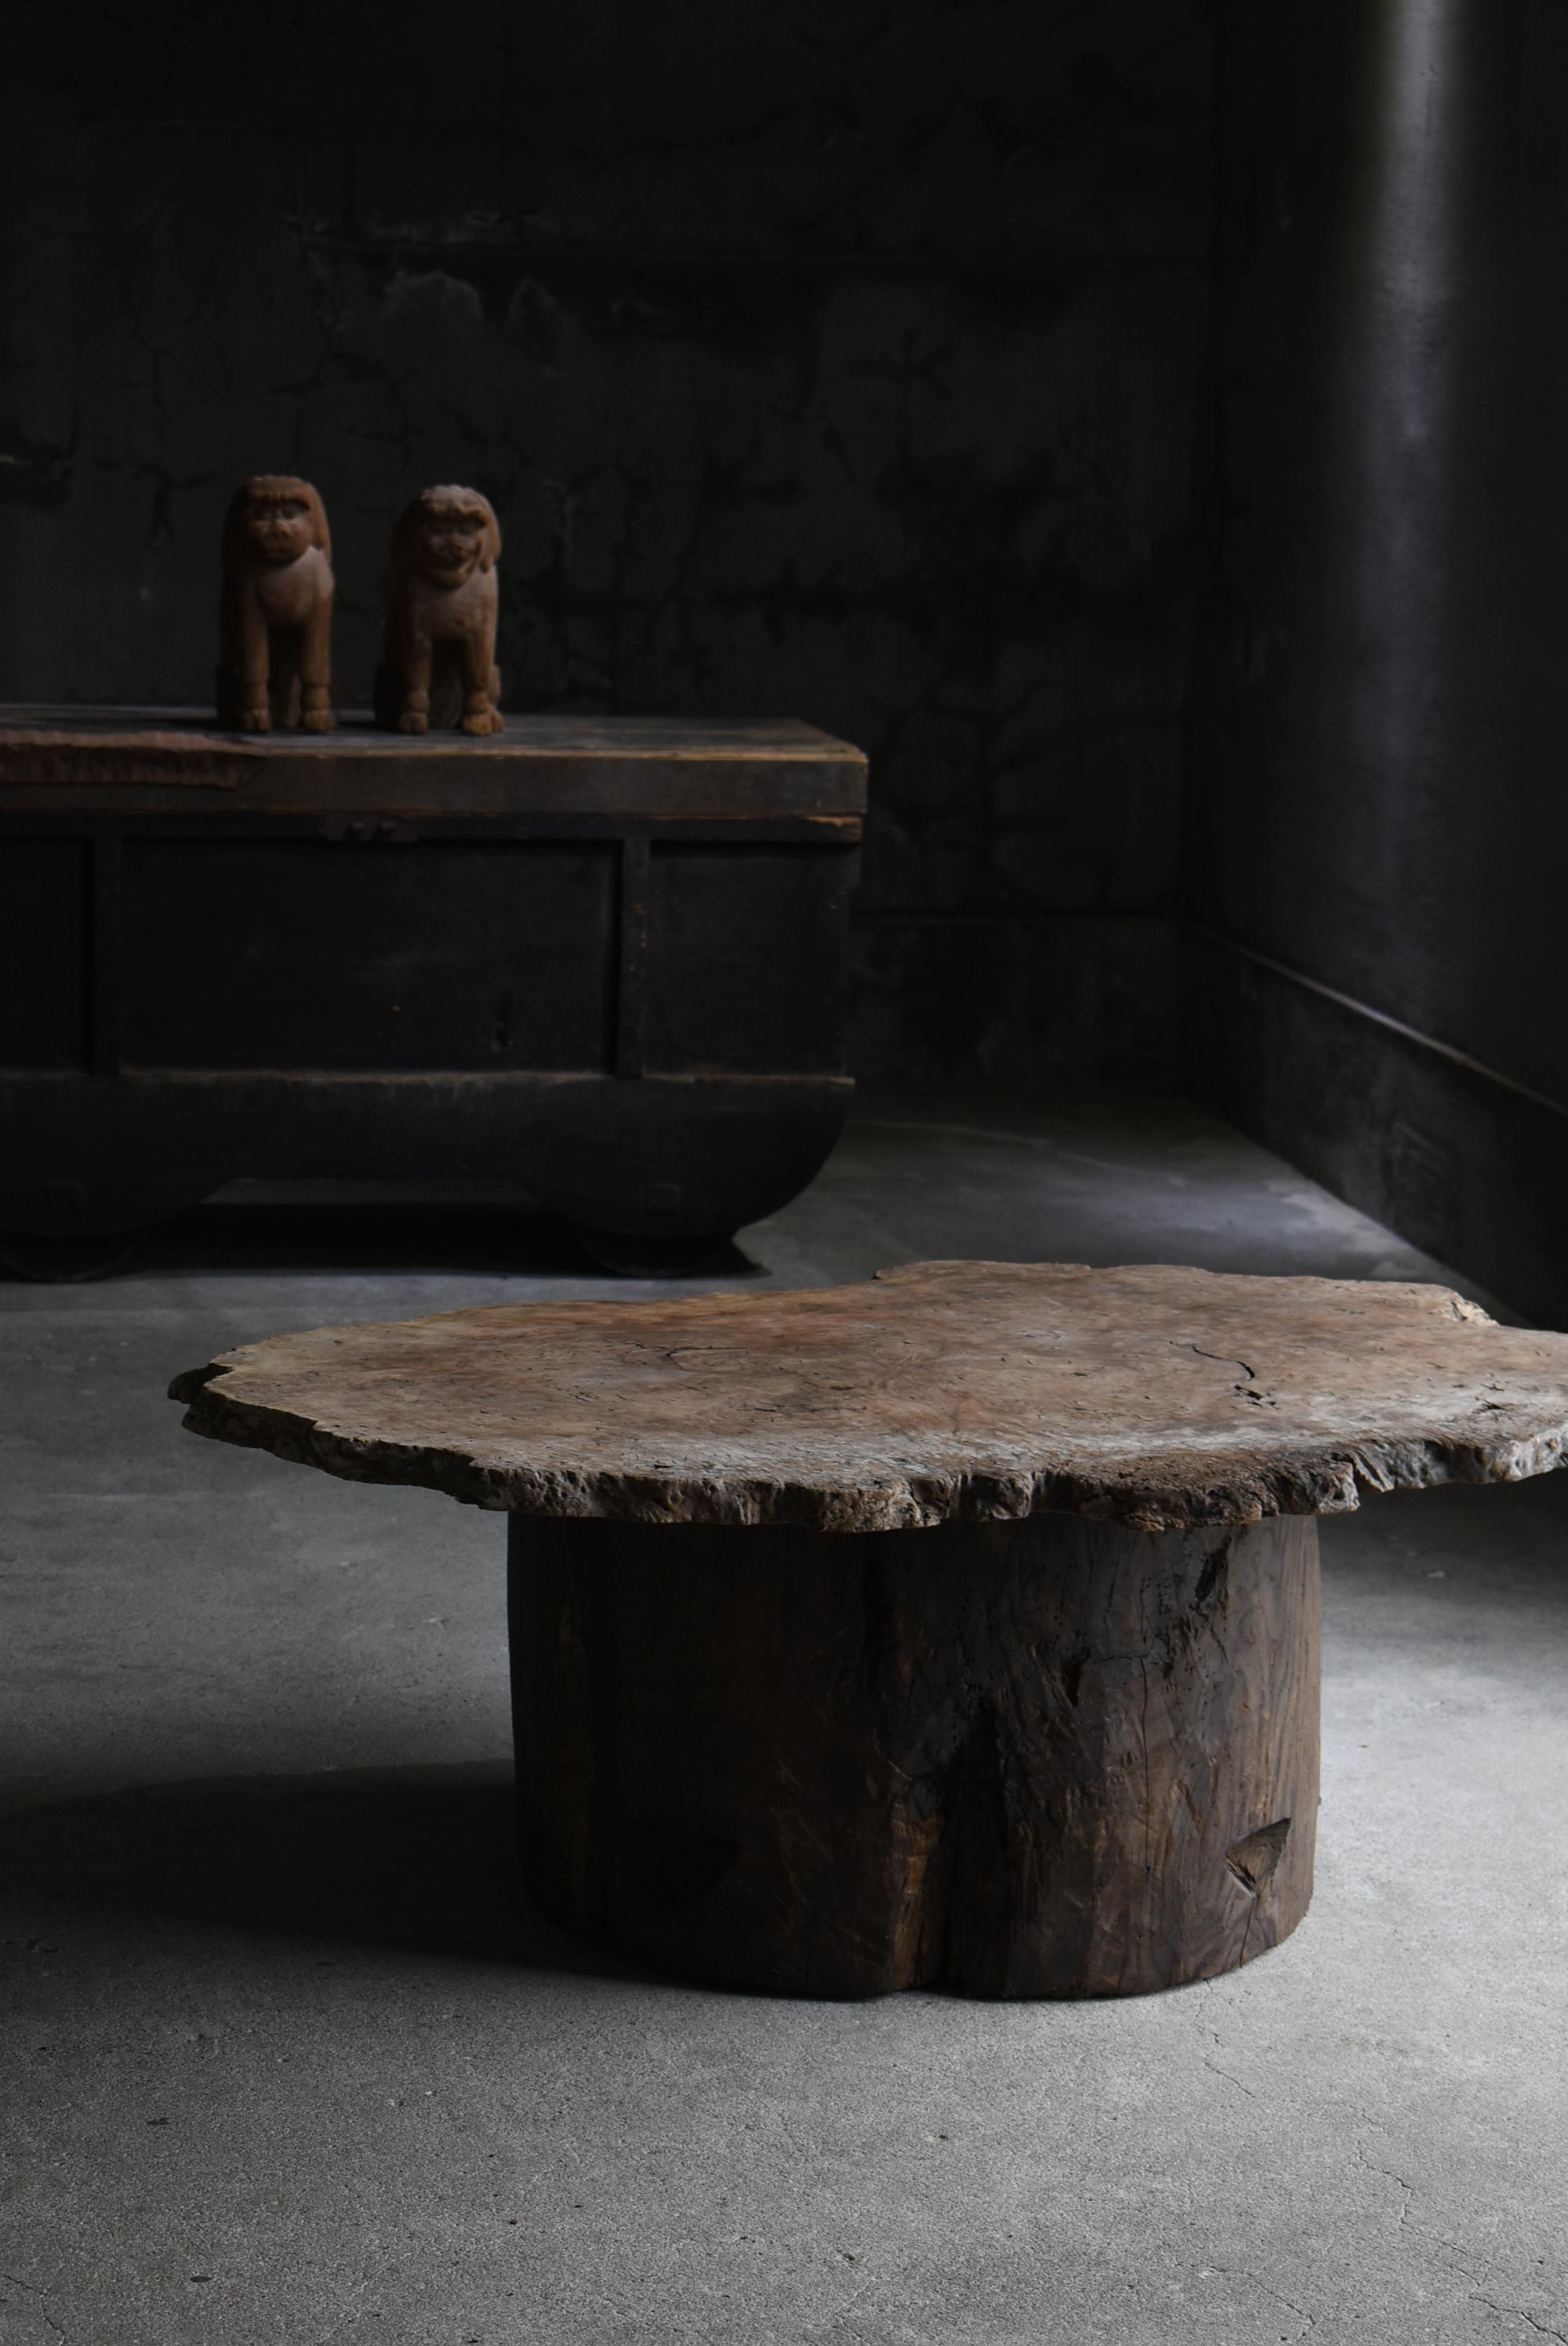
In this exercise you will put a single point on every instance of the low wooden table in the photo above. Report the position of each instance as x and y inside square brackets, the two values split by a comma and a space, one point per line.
[958, 1628]
[604, 958]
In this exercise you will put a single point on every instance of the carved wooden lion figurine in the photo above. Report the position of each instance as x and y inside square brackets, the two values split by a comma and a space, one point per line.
[440, 664]
[276, 668]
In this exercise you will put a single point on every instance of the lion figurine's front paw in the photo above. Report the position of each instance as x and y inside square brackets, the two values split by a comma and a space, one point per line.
[412, 720]
[318, 720]
[482, 721]
[255, 720]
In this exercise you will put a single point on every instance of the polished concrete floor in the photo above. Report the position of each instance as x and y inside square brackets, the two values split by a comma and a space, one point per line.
[287, 2058]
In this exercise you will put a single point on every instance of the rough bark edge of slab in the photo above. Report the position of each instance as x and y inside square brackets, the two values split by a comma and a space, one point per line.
[1326, 1481]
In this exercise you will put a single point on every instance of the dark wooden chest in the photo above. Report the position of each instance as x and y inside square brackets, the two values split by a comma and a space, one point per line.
[604, 958]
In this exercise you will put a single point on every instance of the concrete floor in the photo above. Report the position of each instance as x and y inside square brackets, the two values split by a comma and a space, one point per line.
[288, 2059]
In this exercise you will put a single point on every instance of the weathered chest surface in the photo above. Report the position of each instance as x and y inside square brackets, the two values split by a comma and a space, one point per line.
[657, 769]
[603, 957]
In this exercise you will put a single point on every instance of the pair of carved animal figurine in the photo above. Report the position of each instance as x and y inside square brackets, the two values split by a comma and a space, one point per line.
[439, 666]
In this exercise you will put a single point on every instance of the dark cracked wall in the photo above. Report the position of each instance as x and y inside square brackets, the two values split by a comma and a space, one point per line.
[839, 361]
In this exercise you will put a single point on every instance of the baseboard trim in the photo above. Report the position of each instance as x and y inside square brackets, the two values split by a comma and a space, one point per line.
[1217, 937]
[1465, 1162]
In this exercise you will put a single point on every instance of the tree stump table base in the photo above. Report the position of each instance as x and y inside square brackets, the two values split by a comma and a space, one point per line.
[1051, 1758]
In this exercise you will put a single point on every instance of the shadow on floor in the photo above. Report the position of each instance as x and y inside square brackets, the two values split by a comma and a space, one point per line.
[420, 1859]
[362, 1237]
[357, 1236]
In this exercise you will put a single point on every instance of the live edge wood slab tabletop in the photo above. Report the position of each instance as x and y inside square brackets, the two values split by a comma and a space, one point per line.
[957, 1627]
